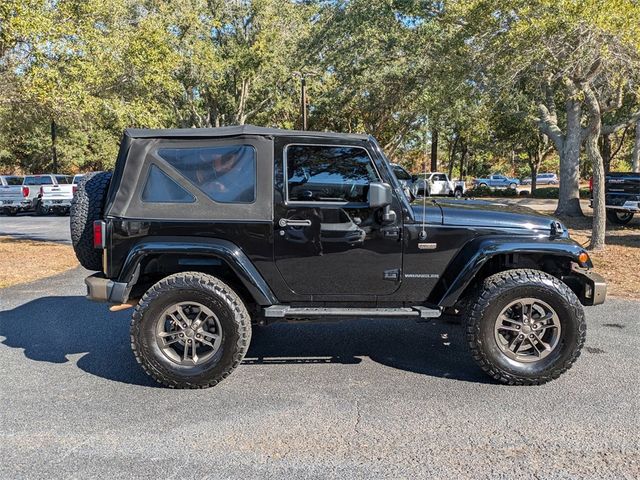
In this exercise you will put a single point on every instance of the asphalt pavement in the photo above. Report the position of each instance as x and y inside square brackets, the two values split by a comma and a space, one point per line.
[352, 399]
[355, 399]
[31, 227]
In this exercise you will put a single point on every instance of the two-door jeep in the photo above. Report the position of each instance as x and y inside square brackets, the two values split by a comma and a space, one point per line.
[210, 231]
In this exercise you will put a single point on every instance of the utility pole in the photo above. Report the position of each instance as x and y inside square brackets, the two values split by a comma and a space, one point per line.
[303, 101]
[54, 135]
[434, 150]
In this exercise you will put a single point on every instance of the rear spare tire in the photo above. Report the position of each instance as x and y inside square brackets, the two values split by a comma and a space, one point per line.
[86, 207]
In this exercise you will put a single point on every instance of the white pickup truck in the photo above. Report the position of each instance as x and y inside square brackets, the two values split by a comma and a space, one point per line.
[436, 183]
[47, 193]
[10, 194]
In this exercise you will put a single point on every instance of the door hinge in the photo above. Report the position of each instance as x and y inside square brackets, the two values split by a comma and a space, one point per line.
[393, 275]
[391, 232]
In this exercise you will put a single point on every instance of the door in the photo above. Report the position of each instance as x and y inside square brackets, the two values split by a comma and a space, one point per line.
[328, 240]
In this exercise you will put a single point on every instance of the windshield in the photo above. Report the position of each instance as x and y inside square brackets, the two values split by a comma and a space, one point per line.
[395, 184]
[401, 173]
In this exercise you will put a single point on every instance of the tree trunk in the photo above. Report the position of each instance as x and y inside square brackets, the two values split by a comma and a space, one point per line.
[534, 165]
[599, 226]
[453, 158]
[569, 195]
[605, 151]
[434, 150]
[635, 157]
[463, 157]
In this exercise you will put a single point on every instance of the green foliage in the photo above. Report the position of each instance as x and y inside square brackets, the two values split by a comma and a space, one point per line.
[492, 192]
[553, 192]
[396, 69]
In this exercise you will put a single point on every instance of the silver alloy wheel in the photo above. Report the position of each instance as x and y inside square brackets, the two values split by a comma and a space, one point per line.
[188, 333]
[527, 330]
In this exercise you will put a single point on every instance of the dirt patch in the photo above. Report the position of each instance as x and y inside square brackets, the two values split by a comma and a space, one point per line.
[27, 260]
[619, 262]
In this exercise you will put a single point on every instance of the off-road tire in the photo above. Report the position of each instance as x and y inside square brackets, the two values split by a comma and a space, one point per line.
[216, 295]
[86, 207]
[493, 295]
[612, 216]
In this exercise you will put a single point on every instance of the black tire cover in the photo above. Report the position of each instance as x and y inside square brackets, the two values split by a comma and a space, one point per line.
[86, 207]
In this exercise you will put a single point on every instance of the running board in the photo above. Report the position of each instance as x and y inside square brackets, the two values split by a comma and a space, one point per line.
[284, 311]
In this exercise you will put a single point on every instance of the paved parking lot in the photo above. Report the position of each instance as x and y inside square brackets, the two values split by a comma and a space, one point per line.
[359, 399]
[30, 227]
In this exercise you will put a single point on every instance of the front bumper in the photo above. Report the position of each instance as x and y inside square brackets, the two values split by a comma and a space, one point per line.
[590, 287]
[101, 289]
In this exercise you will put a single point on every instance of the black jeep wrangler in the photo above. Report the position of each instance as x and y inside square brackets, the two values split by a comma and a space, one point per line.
[210, 231]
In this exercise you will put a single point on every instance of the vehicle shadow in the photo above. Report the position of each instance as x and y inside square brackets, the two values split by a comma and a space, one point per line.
[54, 329]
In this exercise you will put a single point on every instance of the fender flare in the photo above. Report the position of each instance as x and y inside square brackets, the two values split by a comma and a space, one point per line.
[224, 250]
[475, 254]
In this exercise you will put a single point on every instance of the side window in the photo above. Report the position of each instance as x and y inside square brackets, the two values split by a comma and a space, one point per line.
[159, 188]
[328, 173]
[225, 174]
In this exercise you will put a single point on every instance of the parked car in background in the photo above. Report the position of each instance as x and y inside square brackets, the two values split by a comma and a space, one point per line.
[10, 194]
[45, 193]
[436, 183]
[57, 198]
[543, 179]
[496, 181]
[622, 196]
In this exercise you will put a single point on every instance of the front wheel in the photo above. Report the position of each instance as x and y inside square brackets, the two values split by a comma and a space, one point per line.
[525, 327]
[190, 330]
[619, 217]
[513, 186]
[458, 193]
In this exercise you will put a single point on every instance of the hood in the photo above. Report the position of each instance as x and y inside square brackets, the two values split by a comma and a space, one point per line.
[478, 213]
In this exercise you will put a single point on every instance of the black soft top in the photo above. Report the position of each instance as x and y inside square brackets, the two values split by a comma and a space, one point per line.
[234, 131]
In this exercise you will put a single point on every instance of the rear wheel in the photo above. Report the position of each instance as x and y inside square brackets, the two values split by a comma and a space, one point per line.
[190, 330]
[525, 327]
[457, 193]
[619, 217]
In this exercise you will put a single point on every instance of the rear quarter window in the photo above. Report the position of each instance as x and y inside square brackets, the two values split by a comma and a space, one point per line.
[226, 174]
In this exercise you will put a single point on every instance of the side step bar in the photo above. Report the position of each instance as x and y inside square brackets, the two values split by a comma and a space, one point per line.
[285, 311]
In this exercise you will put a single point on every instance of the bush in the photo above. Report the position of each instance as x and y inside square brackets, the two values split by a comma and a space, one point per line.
[489, 192]
[546, 192]
[553, 192]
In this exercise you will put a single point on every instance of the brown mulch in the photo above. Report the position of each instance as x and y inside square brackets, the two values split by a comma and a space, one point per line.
[619, 262]
[23, 261]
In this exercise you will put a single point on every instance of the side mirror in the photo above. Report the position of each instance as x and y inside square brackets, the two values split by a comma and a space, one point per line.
[379, 195]
[415, 178]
